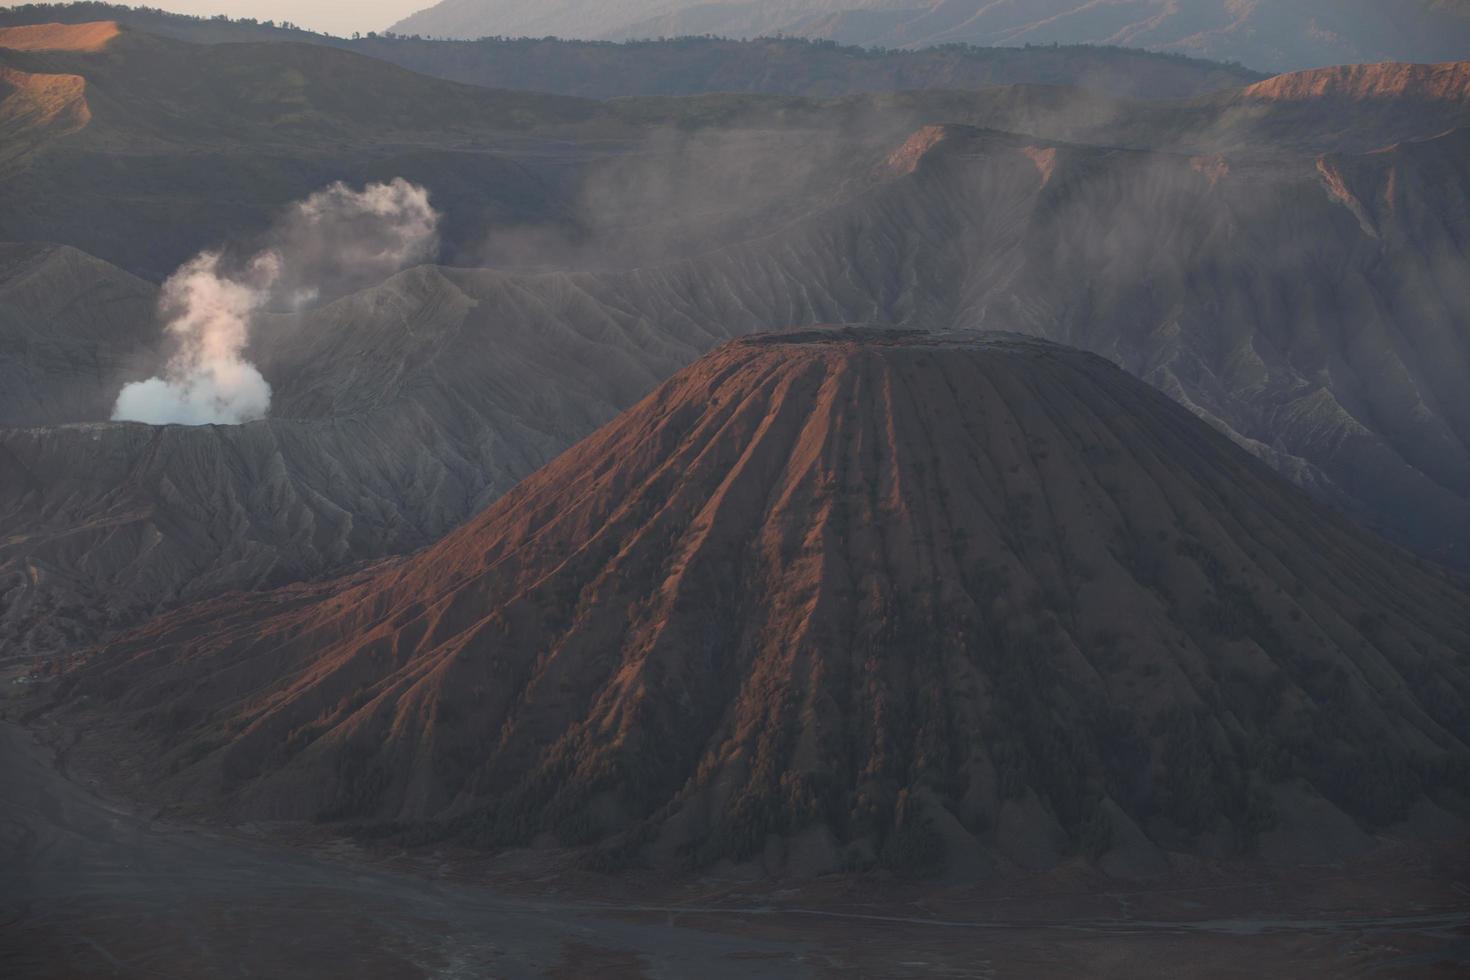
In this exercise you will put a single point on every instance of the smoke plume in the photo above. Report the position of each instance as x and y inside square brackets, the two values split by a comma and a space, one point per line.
[331, 243]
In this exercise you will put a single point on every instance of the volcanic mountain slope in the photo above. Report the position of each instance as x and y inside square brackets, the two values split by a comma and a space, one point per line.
[104, 521]
[1355, 108]
[73, 330]
[1311, 309]
[839, 597]
[1220, 276]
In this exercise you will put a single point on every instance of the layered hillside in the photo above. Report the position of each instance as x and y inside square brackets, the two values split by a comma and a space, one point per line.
[1448, 82]
[386, 443]
[838, 598]
[36, 107]
[258, 125]
[1355, 107]
[279, 120]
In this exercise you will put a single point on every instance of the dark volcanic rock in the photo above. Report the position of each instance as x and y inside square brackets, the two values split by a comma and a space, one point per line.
[835, 598]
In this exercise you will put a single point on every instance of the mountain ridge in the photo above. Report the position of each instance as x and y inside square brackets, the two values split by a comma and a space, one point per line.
[697, 65]
[88, 36]
[1269, 36]
[504, 369]
[1448, 81]
[764, 603]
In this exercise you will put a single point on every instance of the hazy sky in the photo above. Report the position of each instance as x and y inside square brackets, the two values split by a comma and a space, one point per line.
[333, 16]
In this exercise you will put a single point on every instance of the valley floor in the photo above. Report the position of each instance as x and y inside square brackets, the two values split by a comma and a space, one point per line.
[90, 887]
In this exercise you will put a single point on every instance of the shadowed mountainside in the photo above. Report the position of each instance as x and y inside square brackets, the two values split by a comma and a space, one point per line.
[837, 599]
[73, 331]
[258, 126]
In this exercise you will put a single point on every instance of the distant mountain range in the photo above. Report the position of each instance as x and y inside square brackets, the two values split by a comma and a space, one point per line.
[1269, 35]
[693, 66]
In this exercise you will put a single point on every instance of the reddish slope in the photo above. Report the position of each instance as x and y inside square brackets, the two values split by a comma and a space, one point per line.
[91, 36]
[31, 101]
[836, 598]
[1446, 82]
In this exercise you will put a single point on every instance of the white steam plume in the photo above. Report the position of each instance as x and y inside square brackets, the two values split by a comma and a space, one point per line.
[206, 380]
[339, 240]
[334, 241]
